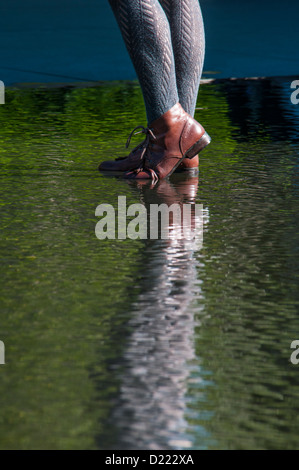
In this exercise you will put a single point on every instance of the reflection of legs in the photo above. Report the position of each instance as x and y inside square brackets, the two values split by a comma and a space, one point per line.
[160, 357]
[188, 42]
[145, 30]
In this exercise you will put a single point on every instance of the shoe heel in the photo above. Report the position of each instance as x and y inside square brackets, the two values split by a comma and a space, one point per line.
[198, 146]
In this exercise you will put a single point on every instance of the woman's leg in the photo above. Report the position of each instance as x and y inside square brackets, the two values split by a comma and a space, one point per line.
[145, 30]
[188, 42]
[172, 135]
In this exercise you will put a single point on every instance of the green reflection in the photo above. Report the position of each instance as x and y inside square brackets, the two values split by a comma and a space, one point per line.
[66, 298]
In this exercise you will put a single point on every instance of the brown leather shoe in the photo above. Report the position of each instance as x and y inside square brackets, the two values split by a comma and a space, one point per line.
[169, 139]
[134, 160]
[188, 164]
[127, 163]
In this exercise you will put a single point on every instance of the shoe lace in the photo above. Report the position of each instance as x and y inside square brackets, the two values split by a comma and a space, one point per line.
[143, 130]
[145, 144]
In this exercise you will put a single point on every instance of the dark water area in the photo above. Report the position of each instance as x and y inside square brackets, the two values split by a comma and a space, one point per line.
[67, 40]
[153, 344]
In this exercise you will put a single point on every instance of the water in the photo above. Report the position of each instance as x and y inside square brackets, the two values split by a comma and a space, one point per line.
[156, 344]
[80, 40]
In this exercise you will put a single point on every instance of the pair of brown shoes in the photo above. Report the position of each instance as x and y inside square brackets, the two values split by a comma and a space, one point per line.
[169, 141]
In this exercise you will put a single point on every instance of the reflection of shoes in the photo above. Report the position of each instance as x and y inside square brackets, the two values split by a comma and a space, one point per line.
[169, 139]
[186, 187]
[179, 190]
[181, 220]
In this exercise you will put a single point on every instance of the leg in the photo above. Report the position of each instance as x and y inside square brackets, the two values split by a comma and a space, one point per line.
[188, 42]
[172, 135]
[145, 30]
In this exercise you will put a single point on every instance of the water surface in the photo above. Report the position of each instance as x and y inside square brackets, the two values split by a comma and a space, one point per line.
[155, 344]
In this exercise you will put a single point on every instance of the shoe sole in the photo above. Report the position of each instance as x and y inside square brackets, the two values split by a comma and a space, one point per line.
[190, 171]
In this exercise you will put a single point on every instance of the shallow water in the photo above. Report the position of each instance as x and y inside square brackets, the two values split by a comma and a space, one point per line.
[156, 344]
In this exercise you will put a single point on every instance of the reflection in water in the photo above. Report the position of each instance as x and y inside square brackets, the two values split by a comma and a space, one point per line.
[78, 313]
[262, 108]
[152, 407]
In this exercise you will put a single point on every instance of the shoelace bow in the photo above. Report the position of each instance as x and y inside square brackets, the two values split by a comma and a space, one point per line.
[145, 143]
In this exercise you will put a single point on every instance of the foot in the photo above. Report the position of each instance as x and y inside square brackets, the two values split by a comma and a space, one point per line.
[188, 164]
[169, 140]
[130, 162]
[134, 160]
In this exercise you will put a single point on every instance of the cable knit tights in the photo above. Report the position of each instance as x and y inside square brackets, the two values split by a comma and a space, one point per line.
[166, 43]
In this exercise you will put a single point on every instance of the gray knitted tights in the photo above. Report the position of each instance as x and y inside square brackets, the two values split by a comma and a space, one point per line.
[165, 40]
